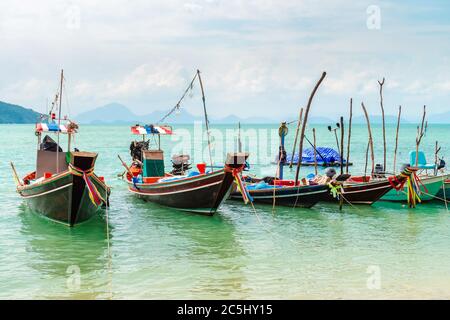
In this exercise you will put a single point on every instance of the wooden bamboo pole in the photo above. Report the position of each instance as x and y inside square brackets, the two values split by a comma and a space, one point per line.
[349, 134]
[315, 153]
[367, 159]
[16, 176]
[125, 166]
[342, 144]
[370, 138]
[420, 134]
[296, 137]
[381, 83]
[436, 150]
[59, 120]
[206, 120]
[308, 107]
[396, 136]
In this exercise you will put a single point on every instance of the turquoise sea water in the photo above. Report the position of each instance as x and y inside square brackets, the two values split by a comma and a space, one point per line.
[386, 250]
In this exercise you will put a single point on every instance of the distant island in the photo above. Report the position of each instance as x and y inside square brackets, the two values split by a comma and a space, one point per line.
[11, 113]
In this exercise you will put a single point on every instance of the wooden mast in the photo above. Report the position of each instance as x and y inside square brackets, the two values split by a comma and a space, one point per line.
[342, 144]
[296, 136]
[370, 138]
[59, 120]
[308, 107]
[206, 119]
[396, 136]
[349, 135]
[239, 137]
[315, 153]
[420, 135]
[381, 83]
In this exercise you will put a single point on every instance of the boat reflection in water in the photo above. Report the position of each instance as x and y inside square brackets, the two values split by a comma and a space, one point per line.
[66, 263]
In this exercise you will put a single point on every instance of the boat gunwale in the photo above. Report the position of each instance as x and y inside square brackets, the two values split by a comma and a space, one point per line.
[178, 181]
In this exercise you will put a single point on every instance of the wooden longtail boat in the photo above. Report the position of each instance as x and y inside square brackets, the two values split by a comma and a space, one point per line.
[64, 197]
[430, 187]
[279, 191]
[369, 192]
[64, 187]
[290, 196]
[201, 193]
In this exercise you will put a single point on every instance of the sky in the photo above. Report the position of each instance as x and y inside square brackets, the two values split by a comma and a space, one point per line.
[257, 58]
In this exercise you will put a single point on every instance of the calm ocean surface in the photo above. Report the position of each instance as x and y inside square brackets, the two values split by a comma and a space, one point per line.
[161, 253]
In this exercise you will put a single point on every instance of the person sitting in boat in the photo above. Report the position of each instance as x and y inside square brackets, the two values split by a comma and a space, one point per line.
[330, 173]
[135, 169]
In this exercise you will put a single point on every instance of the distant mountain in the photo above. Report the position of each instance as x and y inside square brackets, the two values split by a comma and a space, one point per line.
[115, 113]
[377, 119]
[11, 113]
[110, 113]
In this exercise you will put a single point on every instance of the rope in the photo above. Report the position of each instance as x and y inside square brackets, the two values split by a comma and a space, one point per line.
[94, 195]
[443, 190]
[177, 106]
[109, 250]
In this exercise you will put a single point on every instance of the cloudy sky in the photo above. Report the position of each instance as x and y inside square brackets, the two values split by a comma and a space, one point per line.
[258, 58]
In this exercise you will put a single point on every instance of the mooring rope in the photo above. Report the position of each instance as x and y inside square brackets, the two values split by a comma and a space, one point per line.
[443, 190]
[109, 249]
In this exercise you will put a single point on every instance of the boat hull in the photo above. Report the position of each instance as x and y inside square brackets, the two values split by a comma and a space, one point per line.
[362, 193]
[303, 196]
[63, 198]
[433, 185]
[444, 191]
[200, 194]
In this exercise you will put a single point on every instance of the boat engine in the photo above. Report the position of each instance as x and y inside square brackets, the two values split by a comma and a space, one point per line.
[180, 164]
[379, 171]
[136, 148]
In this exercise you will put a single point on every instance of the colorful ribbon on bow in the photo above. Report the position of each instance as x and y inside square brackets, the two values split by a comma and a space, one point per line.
[94, 195]
[336, 190]
[236, 172]
[413, 183]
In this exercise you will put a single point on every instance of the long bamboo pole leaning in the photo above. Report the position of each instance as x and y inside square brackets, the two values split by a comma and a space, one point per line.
[341, 121]
[349, 134]
[16, 176]
[370, 138]
[396, 137]
[381, 83]
[308, 107]
[420, 134]
[206, 120]
[367, 160]
[315, 153]
[296, 137]
[59, 121]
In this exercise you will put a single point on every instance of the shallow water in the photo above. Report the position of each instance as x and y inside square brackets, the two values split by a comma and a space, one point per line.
[161, 253]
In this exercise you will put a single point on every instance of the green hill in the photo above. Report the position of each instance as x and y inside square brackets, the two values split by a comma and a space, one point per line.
[11, 113]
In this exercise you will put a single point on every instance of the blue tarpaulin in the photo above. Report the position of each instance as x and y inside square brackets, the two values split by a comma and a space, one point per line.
[323, 155]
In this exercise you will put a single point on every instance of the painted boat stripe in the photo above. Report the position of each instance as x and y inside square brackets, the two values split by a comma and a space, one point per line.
[47, 192]
[367, 190]
[173, 192]
[287, 195]
[179, 181]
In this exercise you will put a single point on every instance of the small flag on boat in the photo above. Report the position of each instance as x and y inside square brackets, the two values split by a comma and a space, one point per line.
[151, 129]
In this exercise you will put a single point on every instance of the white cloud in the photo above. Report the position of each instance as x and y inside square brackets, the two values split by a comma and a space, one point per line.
[253, 53]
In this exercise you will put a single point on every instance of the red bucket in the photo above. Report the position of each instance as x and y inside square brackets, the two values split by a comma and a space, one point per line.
[201, 168]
